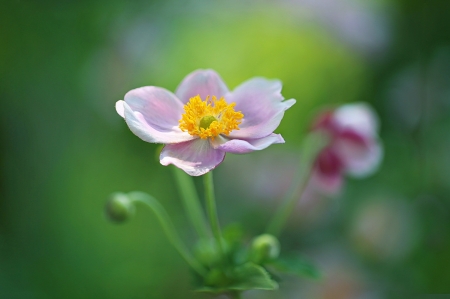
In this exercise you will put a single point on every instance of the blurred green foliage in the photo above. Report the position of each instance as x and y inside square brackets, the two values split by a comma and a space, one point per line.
[63, 65]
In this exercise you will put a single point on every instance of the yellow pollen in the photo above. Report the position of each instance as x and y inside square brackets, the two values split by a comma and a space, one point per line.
[209, 118]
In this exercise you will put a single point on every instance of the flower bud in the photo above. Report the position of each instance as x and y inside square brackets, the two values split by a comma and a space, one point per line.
[265, 247]
[119, 208]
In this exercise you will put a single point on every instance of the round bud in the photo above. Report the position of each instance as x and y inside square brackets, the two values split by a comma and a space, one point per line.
[207, 252]
[119, 208]
[265, 247]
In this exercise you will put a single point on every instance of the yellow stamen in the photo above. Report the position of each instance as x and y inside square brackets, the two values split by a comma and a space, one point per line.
[209, 118]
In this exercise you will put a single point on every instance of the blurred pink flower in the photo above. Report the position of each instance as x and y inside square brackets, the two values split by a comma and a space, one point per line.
[203, 120]
[353, 147]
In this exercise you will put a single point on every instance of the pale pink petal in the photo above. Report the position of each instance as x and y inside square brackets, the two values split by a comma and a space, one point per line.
[201, 82]
[326, 184]
[152, 113]
[195, 157]
[261, 102]
[359, 159]
[359, 117]
[240, 146]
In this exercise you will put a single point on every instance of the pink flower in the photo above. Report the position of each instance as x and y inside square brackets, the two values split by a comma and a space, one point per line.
[203, 120]
[353, 148]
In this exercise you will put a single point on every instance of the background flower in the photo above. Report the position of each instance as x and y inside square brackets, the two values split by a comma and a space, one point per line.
[353, 147]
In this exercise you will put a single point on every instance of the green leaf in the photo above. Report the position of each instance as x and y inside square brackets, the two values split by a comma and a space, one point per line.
[295, 264]
[250, 276]
[209, 290]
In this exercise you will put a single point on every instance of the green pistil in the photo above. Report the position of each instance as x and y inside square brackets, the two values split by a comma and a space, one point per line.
[206, 121]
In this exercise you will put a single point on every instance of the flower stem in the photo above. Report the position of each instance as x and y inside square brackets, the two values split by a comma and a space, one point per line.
[311, 147]
[283, 213]
[191, 202]
[212, 210]
[168, 228]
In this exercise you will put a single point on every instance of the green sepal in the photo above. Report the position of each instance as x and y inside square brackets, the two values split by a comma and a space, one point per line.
[295, 264]
[250, 277]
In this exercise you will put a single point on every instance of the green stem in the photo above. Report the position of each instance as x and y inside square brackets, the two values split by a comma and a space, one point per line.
[212, 210]
[191, 202]
[236, 295]
[312, 145]
[168, 228]
[283, 213]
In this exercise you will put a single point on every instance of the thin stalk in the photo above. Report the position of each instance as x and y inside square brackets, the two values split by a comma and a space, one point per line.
[212, 210]
[168, 228]
[289, 203]
[191, 202]
[312, 145]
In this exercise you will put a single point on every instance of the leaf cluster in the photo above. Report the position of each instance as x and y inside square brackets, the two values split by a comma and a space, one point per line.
[236, 270]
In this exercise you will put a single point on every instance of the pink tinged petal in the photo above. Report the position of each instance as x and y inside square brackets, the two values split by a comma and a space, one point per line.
[326, 184]
[329, 163]
[195, 157]
[350, 135]
[152, 113]
[201, 82]
[326, 125]
[327, 172]
[359, 159]
[261, 102]
[359, 117]
[239, 146]
[324, 121]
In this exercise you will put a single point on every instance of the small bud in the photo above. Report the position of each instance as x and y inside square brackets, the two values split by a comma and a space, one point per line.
[265, 247]
[217, 278]
[207, 252]
[119, 208]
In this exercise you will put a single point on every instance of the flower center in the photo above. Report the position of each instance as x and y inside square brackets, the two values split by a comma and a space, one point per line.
[206, 121]
[210, 117]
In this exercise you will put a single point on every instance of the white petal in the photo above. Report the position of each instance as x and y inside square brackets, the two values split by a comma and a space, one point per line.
[359, 117]
[195, 157]
[120, 109]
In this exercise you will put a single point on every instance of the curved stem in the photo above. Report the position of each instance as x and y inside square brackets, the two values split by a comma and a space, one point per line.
[212, 210]
[191, 202]
[313, 144]
[168, 228]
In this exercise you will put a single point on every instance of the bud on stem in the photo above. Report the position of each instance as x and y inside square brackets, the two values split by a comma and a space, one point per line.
[119, 208]
[264, 248]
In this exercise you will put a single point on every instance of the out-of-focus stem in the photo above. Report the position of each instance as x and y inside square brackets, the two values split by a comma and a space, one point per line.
[212, 210]
[313, 144]
[191, 202]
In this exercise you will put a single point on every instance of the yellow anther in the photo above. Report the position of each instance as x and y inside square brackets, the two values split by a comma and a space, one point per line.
[209, 118]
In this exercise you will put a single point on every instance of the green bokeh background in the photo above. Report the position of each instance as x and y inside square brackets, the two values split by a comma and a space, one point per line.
[64, 64]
